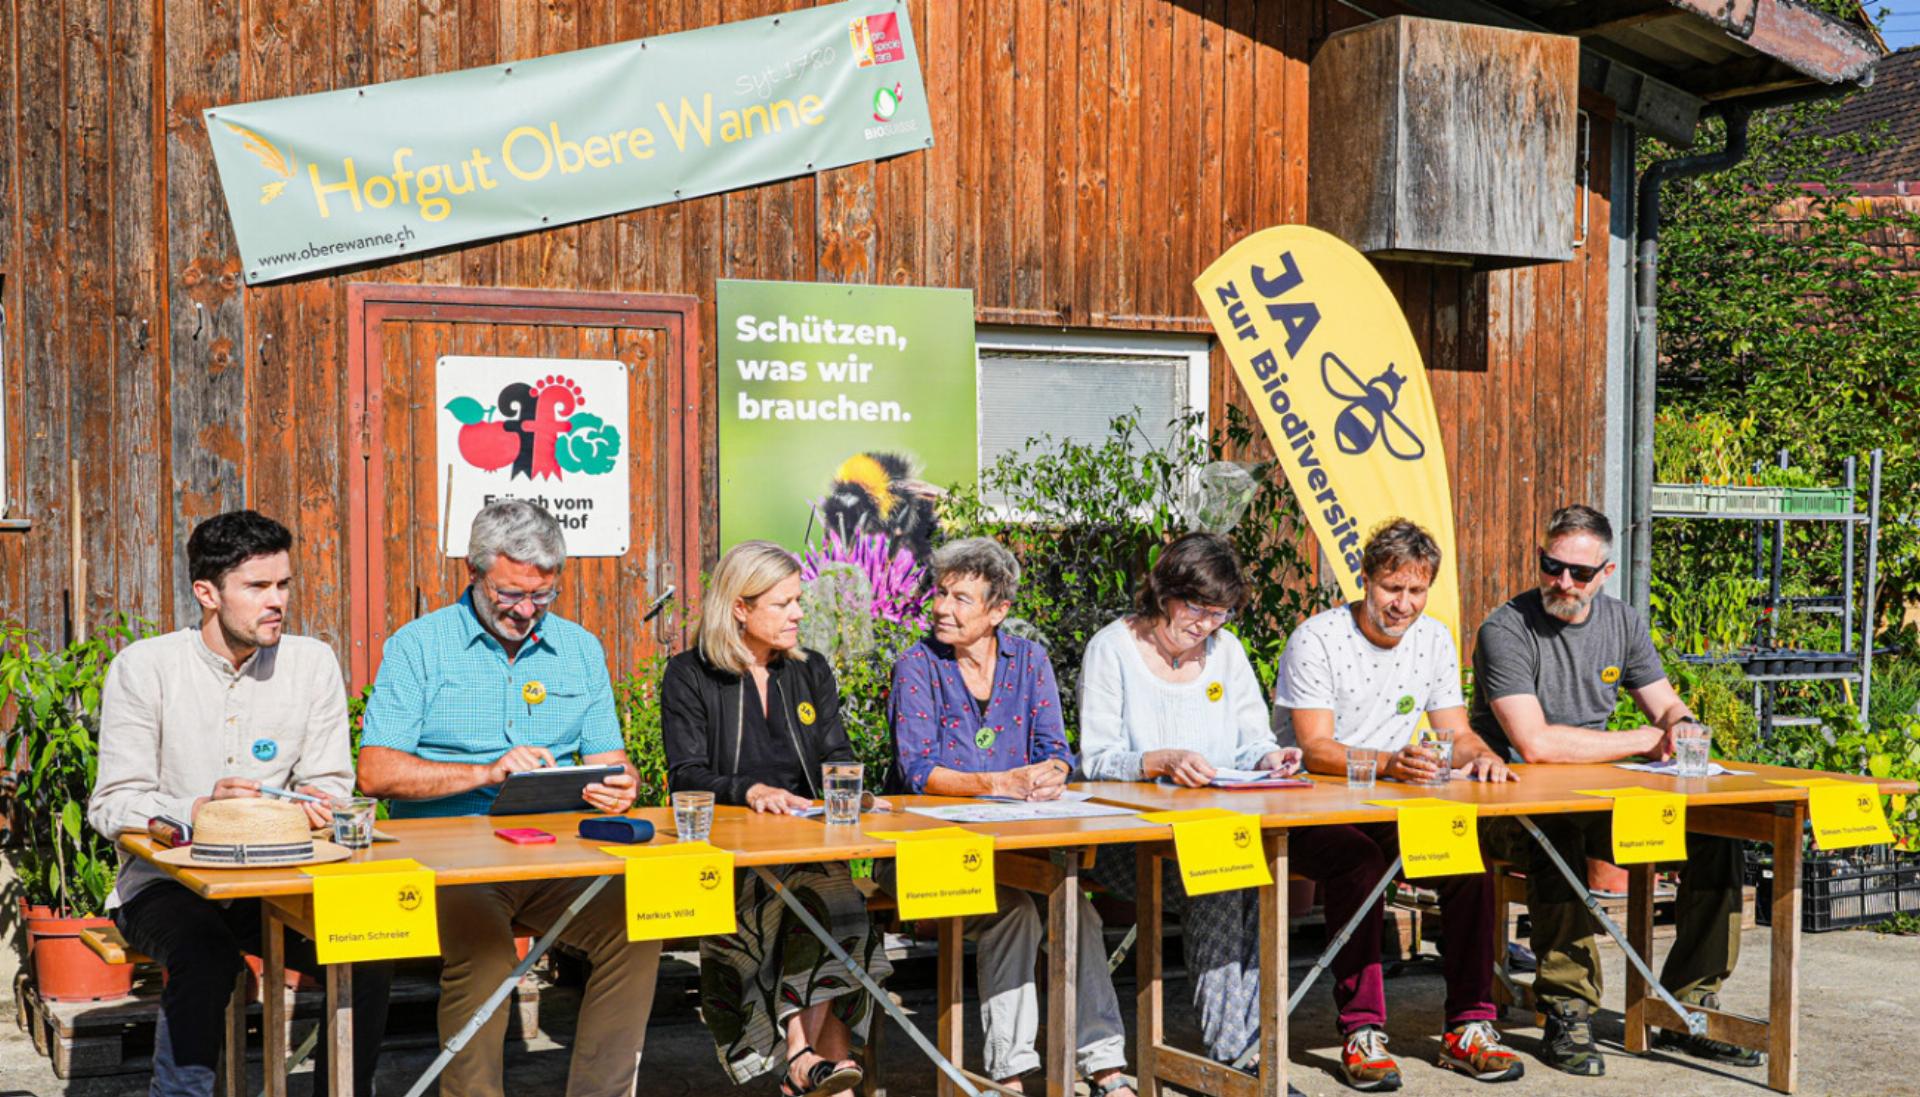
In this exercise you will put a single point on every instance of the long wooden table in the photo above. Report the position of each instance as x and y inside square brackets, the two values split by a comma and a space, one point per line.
[1745, 807]
[1045, 856]
[463, 850]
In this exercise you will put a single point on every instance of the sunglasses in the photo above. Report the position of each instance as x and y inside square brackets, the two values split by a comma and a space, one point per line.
[1556, 567]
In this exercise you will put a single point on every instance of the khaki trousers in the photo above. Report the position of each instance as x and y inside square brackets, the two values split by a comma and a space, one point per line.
[476, 939]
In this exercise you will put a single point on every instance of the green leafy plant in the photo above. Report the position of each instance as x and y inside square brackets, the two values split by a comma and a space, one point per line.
[1707, 618]
[1706, 447]
[636, 698]
[1088, 519]
[62, 863]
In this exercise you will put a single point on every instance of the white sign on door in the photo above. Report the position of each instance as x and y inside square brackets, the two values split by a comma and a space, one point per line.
[552, 431]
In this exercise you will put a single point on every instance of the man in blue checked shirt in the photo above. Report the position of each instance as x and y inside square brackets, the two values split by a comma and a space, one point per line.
[490, 686]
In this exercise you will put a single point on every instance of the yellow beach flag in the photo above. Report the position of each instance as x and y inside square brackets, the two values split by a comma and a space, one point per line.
[1325, 355]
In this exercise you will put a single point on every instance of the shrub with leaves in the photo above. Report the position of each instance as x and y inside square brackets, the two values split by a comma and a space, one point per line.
[1087, 520]
[61, 861]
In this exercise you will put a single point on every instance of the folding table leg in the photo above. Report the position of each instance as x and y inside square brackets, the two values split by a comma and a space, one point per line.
[273, 1003]
[1640, 935]
[474, 1023]
[1063, 975]
[1150, 1022]
[233, 1060]
[340, 1029]
[952, 979]
[1273, 970]
[1696, 1021]
[860, 975]
[1783, 995]
[1340, 939]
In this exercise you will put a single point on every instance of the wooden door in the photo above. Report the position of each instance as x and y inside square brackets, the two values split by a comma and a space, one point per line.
[398, 570]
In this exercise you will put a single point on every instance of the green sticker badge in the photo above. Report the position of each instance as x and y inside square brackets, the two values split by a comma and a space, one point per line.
[1406, 704]
[984, 737]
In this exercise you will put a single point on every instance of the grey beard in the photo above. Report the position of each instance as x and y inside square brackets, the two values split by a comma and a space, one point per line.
[1567, 608]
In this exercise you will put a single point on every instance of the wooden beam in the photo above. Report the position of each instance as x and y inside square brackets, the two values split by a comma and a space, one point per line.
[1273, 970]
[273, 1005]
[1199, 1074]
[1750, 824]
[1783, 991]
[951, 1025]
[1729, 1027]
[1640, 938]
[1063, 967]
[1026, 872]
[1150, 1026]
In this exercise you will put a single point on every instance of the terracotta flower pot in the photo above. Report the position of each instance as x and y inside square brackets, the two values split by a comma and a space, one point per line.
[65, 969]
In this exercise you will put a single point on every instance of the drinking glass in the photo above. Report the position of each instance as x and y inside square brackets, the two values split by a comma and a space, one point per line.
[1361, 767]
[353, 820]
[1440, 742]
[1692, 745]
[693, 815]
[841, 782]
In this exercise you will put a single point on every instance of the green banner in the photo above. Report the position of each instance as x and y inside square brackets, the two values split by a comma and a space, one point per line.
[844, 409]
[351, 176]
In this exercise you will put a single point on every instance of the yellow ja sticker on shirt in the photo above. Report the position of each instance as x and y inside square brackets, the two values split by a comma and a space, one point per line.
[1215, 691]
[1610, 675]
[805, 712]
[533, 692]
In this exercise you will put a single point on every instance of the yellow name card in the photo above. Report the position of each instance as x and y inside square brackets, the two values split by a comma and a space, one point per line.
[680, 890]
[1648, 826]
[1437, 837]
[1844, 813]
[943, 872]
[1218, 850]
[374, 910]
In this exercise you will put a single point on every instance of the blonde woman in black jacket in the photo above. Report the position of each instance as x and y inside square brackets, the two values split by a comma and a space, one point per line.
[749, 715]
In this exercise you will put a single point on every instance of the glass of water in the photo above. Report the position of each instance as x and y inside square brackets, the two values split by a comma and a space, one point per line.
[693, 815]
[841, 782]
[353, 820]
[1692, 745]
[1440, 742]
[1361, 767]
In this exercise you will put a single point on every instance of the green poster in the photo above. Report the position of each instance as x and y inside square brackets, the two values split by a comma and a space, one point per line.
[350, 176]
[843, 409]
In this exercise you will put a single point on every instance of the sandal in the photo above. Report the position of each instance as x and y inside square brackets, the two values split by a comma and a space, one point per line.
[823, 1078]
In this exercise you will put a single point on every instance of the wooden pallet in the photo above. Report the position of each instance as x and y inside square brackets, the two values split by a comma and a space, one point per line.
[86, 1039]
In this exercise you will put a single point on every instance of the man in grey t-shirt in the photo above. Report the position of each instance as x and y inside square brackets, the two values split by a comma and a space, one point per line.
[1548, 669]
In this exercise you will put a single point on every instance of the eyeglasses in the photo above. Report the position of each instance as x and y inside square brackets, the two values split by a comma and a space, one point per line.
[507, 599]
[1193, 611]
[1555, 567]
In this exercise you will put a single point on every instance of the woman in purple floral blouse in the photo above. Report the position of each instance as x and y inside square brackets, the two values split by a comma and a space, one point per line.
[976, 712]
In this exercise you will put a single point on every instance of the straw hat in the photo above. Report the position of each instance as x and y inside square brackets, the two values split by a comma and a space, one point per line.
[252, 833]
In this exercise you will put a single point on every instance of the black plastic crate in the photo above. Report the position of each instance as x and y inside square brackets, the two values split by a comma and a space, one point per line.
[1841, 890]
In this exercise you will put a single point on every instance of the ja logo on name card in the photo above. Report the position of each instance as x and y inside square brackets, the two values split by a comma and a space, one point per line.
[1844, 813]
[1437, 837]
[374, 910]
[679, 890]
[1218, 850]
[1648, 825]
[943, 872]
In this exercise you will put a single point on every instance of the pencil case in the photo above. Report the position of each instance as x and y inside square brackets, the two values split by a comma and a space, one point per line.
[617, 828]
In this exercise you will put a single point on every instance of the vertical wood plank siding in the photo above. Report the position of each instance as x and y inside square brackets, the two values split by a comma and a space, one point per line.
[1092, 155]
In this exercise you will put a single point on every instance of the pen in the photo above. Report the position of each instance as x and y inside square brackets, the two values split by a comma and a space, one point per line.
[289, 794]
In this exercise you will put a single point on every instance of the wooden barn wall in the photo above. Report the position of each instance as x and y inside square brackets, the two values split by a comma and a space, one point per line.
[1092, 156]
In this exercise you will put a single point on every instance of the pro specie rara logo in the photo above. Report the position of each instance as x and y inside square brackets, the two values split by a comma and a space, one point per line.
[537, 430]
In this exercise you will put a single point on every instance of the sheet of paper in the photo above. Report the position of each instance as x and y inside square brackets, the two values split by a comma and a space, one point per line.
[1018, 811]
[374, 910]
[1648, 825]
[1217, 850]
[1254, 778]
[1671, 768]
[679, 890]
[1437, 837]
[1070, 796]
[945, 872]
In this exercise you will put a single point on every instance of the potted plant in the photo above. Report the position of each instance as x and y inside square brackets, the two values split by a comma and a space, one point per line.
[65, 869]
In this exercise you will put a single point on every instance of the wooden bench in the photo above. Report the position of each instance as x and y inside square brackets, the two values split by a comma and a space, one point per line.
[107, 943]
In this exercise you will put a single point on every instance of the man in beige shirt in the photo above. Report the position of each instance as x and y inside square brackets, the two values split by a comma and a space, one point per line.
[211, 713]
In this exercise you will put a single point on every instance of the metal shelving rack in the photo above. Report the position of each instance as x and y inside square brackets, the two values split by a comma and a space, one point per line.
[1769, 537]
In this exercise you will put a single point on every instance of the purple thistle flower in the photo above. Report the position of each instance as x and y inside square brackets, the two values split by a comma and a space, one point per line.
[898, 583]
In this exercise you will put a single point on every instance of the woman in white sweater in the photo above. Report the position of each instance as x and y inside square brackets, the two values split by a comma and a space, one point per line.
[1168, 693]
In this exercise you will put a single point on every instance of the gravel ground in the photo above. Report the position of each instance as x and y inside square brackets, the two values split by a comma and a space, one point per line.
[1860, 996]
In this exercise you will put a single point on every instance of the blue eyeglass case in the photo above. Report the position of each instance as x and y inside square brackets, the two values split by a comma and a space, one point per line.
[616, 828]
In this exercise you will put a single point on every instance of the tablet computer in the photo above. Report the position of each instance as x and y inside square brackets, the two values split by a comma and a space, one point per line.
[556, 788]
